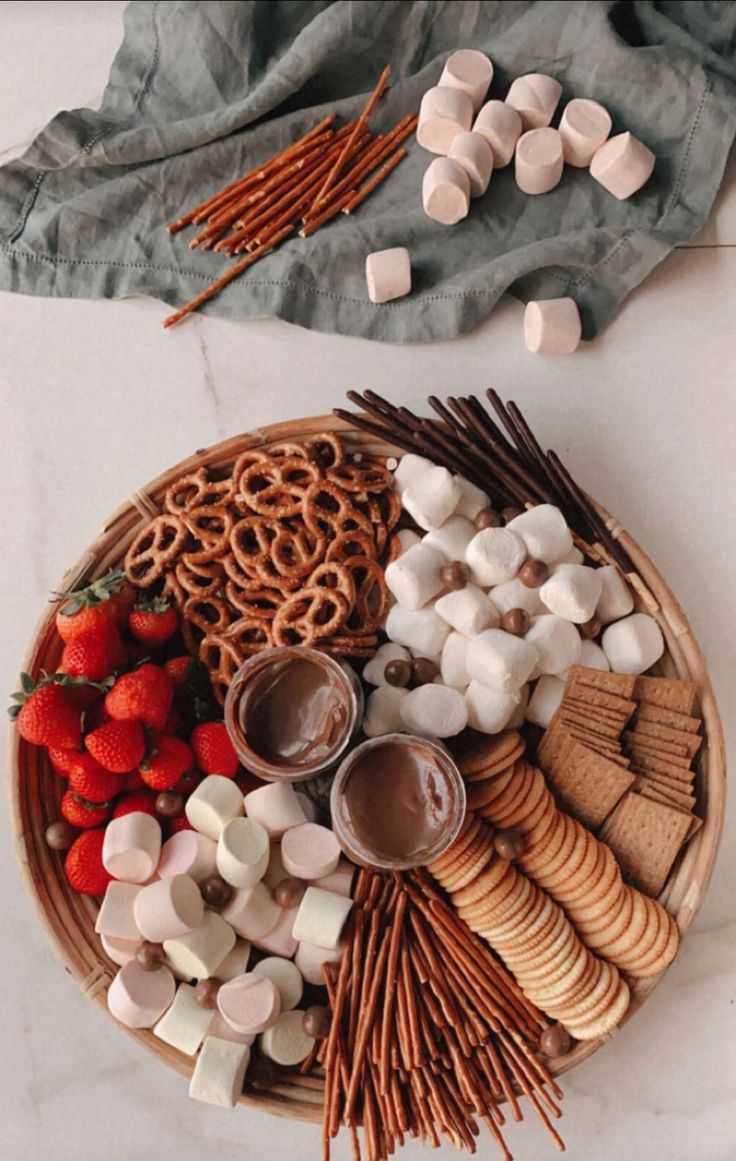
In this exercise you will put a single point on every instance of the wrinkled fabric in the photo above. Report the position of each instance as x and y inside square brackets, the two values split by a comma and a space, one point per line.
[201, 92]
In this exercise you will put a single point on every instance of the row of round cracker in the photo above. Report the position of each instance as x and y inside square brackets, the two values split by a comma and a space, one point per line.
[531, 934]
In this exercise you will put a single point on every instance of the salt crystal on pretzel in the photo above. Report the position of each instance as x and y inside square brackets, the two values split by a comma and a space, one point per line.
[276, 807]
[416, 577]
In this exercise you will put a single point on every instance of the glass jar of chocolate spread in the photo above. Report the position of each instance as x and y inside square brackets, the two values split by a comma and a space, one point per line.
[291, 712]
[397, 801]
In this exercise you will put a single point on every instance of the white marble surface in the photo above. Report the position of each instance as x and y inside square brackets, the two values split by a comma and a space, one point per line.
[95, 399]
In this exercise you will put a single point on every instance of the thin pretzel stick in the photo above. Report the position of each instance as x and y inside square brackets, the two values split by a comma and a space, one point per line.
[362, 119]
[364, 1029]
[390, 993]
[369, 159]
[375, 181]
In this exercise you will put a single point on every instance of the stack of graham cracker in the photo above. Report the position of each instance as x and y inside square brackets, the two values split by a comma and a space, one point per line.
[618, 754]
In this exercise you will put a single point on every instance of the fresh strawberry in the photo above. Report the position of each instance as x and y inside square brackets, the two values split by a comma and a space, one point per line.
[121, 602]
[92, 781]
[83, 863]
[110, 598]
[213, 749]
[118, 746]
[63, 761]
[46, 713]
[153, 621]
[87, 619]
[94, 654]
[171, 758]
[88, 696]
[179, 822]
[140, 800]
[79, 812]
[178, 669]
[137, 654]
[144, 695]
[187, 783]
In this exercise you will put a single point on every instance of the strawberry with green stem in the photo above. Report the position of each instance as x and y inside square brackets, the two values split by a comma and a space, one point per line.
[110, 597]
[153, 621]
[46, 713]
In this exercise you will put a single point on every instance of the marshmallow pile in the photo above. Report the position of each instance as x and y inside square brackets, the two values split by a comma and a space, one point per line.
[496, 609]
[253, 843]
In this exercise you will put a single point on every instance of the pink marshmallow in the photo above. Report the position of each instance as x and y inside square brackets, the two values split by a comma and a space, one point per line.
[249, 1003]
[132, 847]
[115, 917]
[339, 881]
[276, 807]
[188, 853]
[120, 951]
[310, 851]
[280, 941]
[252, 912]
[138, 998]
[309, 959]
[220, 1028]
[168, 908]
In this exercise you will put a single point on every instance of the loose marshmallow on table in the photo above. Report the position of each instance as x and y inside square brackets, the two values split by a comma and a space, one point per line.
[500, 124]
[280, 939]
[374, 671]
[252, 911]
[321, 917]
[276, 808]
[633, 644]
[235, 962]
[468, 610]
[535, 98]
[434, 711]
[469, 70]
[474, 154]
[501, 661]
[545, 701]
[452, 665]
[243, 849]
[443, 113]
[451, 538]
[249, 1003]
[514, 594]
[388, 274]
[408, 471]
[556, 641]
[286, 1042]
[472, 499]
[286, 976]
[552, 326]
[116, 917]
[446, 191]
[584, 127]
[431, 498]
[309, 959]
[495, 555]
[407, 538]
[198, 953]
[219, 1072]
[185, 1024]
[415, 577]
[622, 165]
[539, 162]
[138, 998]
[616, 599]
[383, 711]
[310, 851]
[340, 880]
[572, 592]
[131, 847]
[544, 532]
[120, 951]
[168, 907]
[188, 853]
[489, 712]
[423, 630]
[214, 802]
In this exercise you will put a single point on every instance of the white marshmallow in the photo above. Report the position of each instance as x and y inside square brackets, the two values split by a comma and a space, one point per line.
[309, 959]
[407, 538]
[308, 806]
[539, 163]
[388, 274]
[383, 711]
[446, 191]
[552, 326]
[452, 666]
[243, 850]
[310, 851]
[574, 556]
[451, 538]
[443, 113]
[592, 656]
[214, 802]
[286, 976]
[219, 1072]
[415, 578]
[222, 1030]
[188, 853]
[286, 1042]
[473, 153]
[131, 847]
[410, 468]
[280, 940]
[340, 880]
[120, 951]
[544, 532]
[199, 953]
[518, 717]
[494, 555]
[616, 599]
[468, 610]
[572, 592]
[584, 126]
[489, 712]
[168, 907]
[249, 1003]
[185, 1024]
[430, 499]
[556, 641]
[434, 711]
[116, 918]
[500, 124]
[516, 595]
[472, 499]
[545, 701]
[374, 670]
[138, 998]
[633, 644]
[502, 662]
[252, 911]
[235, 962]
[275, 871]
[276, 808]
[423, 630]
[321, 917]
[622, 165]
[469, 70]
[535, 98]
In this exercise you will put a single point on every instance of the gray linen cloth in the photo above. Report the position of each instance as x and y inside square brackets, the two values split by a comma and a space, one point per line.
[201, 92]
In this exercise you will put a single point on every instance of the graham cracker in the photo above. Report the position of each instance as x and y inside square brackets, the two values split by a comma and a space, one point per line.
[588, 784]
[665, 763]
[683, 785]
[667, 717]
[603, 726]
[690, 742]
[604, 713]
[661, 791]
[621, 684]
[593, 696]
[669, 692]
[657, 745]
[645, 837]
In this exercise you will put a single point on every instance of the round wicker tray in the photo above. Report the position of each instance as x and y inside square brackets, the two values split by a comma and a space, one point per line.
[35, 790]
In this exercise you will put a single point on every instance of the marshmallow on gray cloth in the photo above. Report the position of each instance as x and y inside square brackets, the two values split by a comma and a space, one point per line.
[415, 577]
[410, 467]
[535, 98]
[451, 538]
[616, 600]
[374, 671]
[544, 532]
[539, 161]
[633, 644]
[452, 663]
[474, 154]
[472, 499]
[495, 555]
[584, 126]
[468, 610]
[572, 592]
[622, 165]
[388, 274]
[383, 711]
[446, 191]
[431, 498]
[468, 70]
[443, 113]
[501, 661]
[552, 326]
[557, 643]
[545, 701]
[434, 711]
[488, 711]
[514, 594]
[500, 124]
[422, 630]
